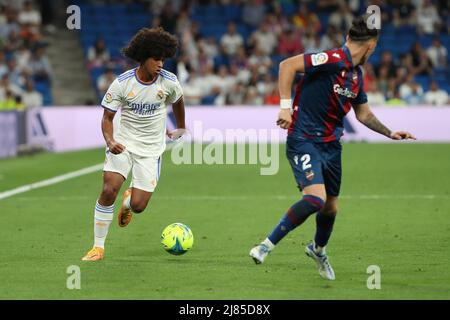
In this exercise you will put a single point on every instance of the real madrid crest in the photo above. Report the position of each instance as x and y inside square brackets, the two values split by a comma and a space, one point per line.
[160, 94]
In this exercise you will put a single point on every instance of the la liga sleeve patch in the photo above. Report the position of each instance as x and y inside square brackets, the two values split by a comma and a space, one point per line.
[319, 58]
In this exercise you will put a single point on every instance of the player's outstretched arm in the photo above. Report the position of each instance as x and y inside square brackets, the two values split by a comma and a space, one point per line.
[287, 70]
[366, 117]
[107, 130]
[178, 111]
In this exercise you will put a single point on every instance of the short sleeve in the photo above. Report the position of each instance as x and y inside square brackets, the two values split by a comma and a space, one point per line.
[361, 98]
[176, 92]
[113, 98]
[326, 61]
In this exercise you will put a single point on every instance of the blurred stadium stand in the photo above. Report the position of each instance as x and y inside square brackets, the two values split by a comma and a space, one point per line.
[201, 57]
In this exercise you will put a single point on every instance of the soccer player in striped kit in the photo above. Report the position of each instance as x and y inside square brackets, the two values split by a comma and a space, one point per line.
[332, 84]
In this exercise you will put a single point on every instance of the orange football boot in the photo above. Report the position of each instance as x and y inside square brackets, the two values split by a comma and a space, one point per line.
[95, 254]
[125, 215]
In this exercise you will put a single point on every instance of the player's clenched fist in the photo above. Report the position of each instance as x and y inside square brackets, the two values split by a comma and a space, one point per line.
[284, 118]
[115, 147]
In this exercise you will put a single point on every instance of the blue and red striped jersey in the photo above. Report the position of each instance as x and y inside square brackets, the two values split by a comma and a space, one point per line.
[324, 95]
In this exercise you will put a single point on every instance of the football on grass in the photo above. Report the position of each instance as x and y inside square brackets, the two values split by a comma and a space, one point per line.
[177, 238]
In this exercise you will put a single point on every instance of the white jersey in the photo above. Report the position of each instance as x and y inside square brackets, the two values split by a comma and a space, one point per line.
[143, 107]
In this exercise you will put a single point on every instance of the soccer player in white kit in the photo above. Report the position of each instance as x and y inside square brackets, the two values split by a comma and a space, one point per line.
[142, 95]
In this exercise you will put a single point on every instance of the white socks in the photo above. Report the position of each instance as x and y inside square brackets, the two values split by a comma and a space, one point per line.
[269, 244]
[103, 217]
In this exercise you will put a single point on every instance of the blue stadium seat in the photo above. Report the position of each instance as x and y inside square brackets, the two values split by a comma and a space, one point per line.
[423, 80]
[288, 8]
[232, 13]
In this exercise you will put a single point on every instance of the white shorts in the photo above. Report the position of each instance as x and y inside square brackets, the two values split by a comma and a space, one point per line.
[145, 170]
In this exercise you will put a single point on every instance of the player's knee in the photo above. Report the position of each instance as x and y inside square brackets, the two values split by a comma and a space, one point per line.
[138, 206]
[330, 208]
[315, 200]
[110, 192]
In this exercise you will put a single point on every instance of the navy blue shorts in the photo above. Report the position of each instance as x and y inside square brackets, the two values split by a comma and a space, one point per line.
[316, 163]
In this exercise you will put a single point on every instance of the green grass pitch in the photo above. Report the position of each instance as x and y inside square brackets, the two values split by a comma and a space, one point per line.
[394, 213]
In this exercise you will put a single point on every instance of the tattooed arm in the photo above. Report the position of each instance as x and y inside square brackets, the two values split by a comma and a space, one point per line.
[367, 118]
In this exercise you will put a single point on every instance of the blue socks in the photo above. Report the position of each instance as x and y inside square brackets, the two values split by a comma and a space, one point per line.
[325, 224]
[296, 215]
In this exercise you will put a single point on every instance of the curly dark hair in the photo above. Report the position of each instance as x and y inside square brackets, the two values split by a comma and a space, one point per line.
[151, 43]
[359, 30]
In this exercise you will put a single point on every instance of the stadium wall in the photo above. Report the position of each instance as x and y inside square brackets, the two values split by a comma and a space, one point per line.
[75, 128]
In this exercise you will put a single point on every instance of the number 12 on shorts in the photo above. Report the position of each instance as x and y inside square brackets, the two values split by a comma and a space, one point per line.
[305, 159]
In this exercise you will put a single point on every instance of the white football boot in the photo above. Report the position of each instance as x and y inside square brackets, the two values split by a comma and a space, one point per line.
[323, 265]
[259, 253]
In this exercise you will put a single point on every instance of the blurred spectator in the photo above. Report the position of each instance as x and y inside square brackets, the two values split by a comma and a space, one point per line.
[10, 102]
[168, 18]
[192, 92]
[3, 64]
[29, 15]
[236, 95]
[98, 55]
[189, 46]
[404, 13]
[332, 38]
[7, 86]
[265, 84]
[252, 98]
[290, 43]
[209, 46]
[2, 15]
[39, 65]
[405, 67]
[253, 13]
[14, 74]
[263, 39]
[203, 60]
[386, 62]
[30, 97]
[437, 54]
[242, 74]
[22, 56]
[411, 91]
[368, 75]
[305, 19]
[341, 19]
[374, 95]
[383, 80]
[273, 97]
[259, 61]
[231, 40]
[312, 43]
[328, 5]
[276, 26]
[428, 20]
[396, 100]
[421, 62]
[183, 22]
[184, 69]
[105, 80]
[436, 96]
[11, 25]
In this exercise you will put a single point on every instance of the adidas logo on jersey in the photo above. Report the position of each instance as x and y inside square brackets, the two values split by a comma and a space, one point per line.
[344, 91]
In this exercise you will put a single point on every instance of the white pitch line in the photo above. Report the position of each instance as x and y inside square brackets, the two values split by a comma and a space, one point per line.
[51, 181]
